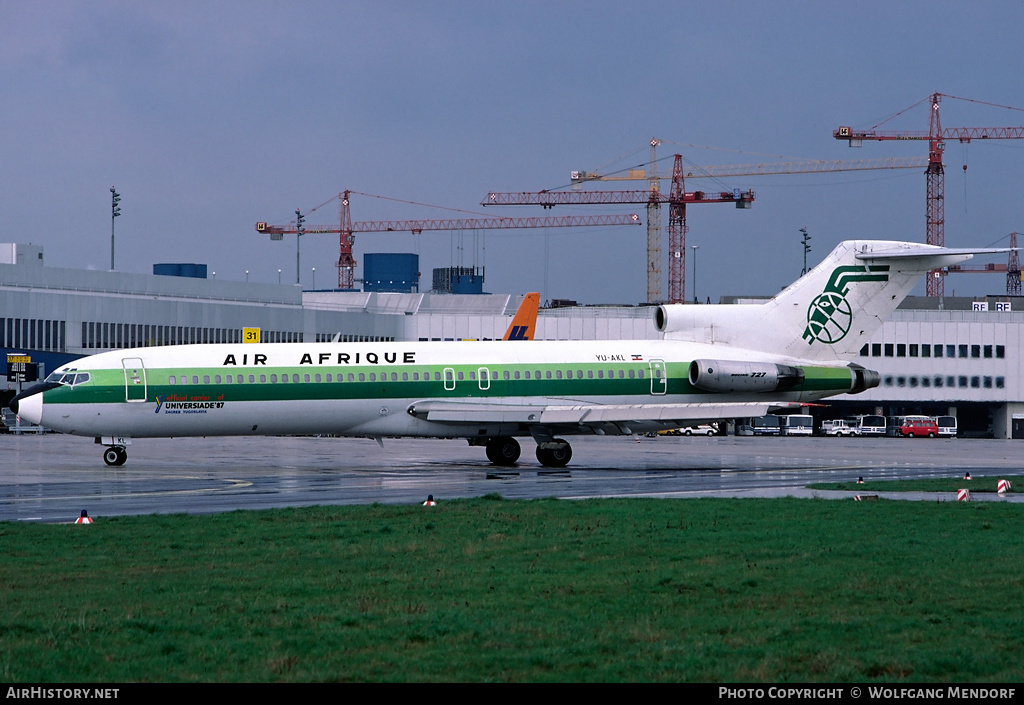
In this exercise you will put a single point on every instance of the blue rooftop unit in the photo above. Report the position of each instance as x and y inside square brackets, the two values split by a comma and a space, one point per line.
[394, 272]
[180, 269]
[459, 280]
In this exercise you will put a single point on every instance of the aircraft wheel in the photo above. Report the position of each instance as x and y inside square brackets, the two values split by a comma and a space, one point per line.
[503, 450]
[555, 457]
[115, 456]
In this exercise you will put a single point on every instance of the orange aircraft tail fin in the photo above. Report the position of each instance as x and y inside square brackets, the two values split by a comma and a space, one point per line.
[524, 324]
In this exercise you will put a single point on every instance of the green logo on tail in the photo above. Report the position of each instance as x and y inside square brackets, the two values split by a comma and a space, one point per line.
[829, 316]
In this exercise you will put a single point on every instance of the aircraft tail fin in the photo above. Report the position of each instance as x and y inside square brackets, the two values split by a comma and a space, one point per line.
[827, 314]
[524, 324]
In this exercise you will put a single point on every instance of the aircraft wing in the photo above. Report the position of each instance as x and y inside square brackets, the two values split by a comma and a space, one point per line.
[588, 415]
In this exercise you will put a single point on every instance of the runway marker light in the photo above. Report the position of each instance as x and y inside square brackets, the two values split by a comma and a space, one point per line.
[83, 518]
[430, 501]
[963, 495]
[967, 475]
[860, 480]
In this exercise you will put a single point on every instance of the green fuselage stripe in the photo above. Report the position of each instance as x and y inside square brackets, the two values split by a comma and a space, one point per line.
[108, 386]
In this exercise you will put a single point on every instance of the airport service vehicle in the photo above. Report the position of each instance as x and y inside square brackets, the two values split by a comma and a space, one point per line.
[713, 362]
[758, 426]
[871, 425]
[796, 425]
[919, 426]
[947, 426]
[839, 427]
[699, 430]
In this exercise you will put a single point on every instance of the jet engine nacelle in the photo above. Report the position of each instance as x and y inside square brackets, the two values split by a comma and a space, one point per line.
[733, 376]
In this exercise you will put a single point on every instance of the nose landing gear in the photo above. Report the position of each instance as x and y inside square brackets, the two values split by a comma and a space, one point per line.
[115, 456]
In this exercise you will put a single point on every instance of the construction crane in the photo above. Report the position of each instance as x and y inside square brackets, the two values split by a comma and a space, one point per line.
[1012, 268]
[936, 136]
[346, 229]
[676, 200]
[679, 198]
[811, 166]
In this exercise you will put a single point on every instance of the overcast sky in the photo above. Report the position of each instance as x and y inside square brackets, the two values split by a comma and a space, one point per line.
[211, 116]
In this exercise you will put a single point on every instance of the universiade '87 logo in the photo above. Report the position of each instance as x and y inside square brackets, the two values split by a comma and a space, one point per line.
[829, 316]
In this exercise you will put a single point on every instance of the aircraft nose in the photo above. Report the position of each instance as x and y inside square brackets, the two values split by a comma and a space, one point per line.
[29, 405]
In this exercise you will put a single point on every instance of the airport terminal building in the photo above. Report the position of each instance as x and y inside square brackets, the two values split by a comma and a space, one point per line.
[953, 356]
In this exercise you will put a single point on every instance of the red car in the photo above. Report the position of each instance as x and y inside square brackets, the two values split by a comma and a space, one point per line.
[919, 427]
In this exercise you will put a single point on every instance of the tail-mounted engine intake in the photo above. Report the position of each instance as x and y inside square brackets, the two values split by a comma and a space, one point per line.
[732, 376]
[863, 379]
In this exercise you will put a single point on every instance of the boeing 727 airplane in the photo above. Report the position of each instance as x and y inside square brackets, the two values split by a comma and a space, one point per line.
[713, 362]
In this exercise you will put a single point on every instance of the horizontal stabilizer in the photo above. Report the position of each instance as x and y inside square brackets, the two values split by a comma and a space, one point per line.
[929, 251]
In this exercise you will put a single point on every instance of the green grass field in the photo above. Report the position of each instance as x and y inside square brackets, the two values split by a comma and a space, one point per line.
[705, 590]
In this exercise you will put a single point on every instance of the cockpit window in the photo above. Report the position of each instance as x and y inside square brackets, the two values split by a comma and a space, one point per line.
[69, 377]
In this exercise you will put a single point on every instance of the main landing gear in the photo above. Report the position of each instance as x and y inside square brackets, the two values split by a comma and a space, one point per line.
[505, 451]
[114, 456]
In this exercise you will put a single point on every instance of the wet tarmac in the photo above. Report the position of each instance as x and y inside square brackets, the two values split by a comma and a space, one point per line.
[52, 477]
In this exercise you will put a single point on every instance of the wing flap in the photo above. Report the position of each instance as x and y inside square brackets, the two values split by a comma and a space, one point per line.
[584, 414]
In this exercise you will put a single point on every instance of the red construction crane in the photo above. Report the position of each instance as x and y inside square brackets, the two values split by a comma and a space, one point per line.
[346, 230]
[677, 200]
[936, 136]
